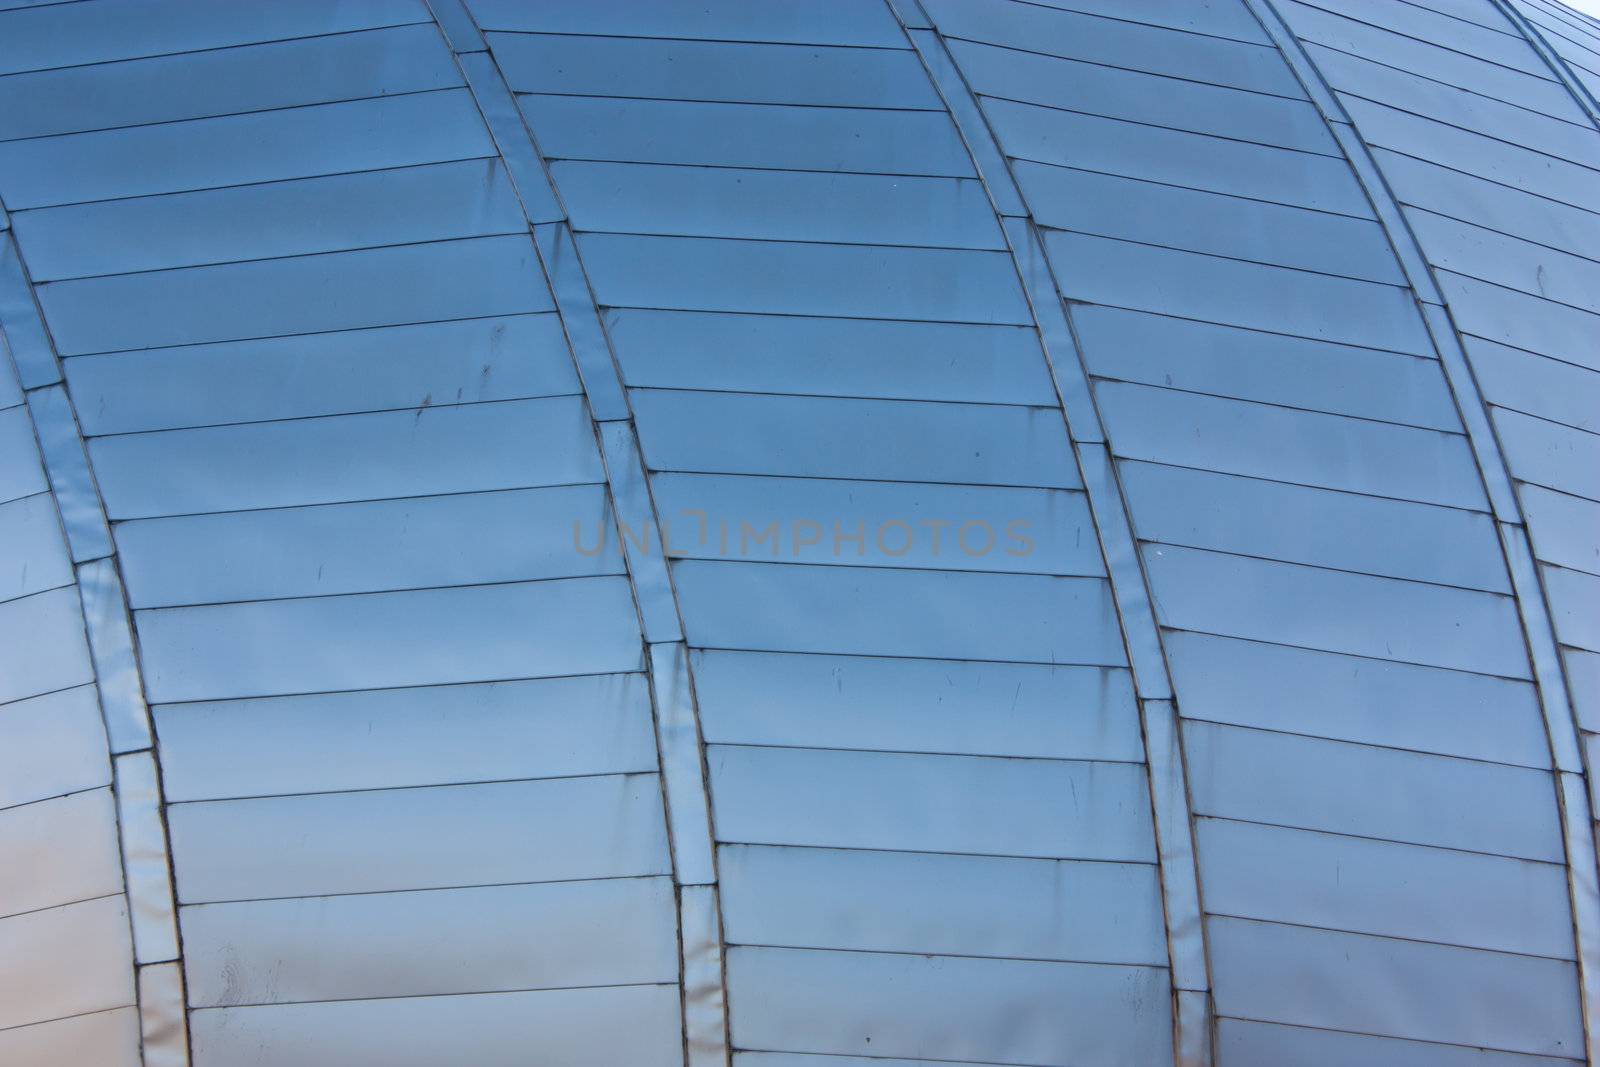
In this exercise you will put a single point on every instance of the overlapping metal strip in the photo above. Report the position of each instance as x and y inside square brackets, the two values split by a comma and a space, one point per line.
[794, 535]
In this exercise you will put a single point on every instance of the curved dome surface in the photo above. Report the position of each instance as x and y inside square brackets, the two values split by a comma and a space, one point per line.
[838, 534]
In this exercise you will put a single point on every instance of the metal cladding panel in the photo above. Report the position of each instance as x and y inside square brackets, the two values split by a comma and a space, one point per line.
[569, 1027]
[992, 532]
[566, 64]
[618, 931]
[510, 357]
[302, 142]
[241, 78]
[367, 841]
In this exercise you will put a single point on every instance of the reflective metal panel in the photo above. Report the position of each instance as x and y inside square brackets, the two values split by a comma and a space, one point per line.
[907, 705]
[437, 363]
[472, 198]
[471, 448]
[1026, 618]
[986, 1010]
[573, 65]
[790, 354]
[930, 903]
[380, 840]
[613, 932]
[399, 131]
[320, 644]
[747, 135]
[1363, 791]
[636, 1025]
[258, 77]
[548, 728]
[973, 804]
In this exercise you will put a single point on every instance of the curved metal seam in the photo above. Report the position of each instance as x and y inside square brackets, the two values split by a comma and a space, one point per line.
[1576, 812]
[1552, 59]
[137, 787]
[1174, 824]
[679, 743]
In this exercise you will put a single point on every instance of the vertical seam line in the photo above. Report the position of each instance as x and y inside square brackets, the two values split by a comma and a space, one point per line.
[142, 837]
[1164, 764]
[680, 747]
[1532, 606]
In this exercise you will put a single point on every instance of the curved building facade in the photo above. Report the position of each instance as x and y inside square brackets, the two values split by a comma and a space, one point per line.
[739, 533]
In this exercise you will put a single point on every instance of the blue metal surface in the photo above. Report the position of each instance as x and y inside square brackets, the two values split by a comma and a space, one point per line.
[731, 533]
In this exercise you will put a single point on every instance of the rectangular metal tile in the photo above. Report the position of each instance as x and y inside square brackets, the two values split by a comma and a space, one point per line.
[1296, 524]
[1232, 293]
[1253, 1044]
[1117, 41]
[1396, 988]
[636, 1025]
[1475, 153]
[35, 556]
[928, 284]
[1378, 887]
[734, 433]
[619, 931]
[437, 735]
[1563, 528]
[1119, 93]
[146, 859]
[1349, 698]
[1385, 618]
[1534, 385]
[1263, 441]
[382, 840]
[422, 542]
[434, 363]
[789, 354]
[341, 290]
[378, 640]
[474, 448]
[777, 205]
[60, 37]
[105, 1038]
[566, 64]
[781, 137]
[1258, 776]
[1010, 1011]
[906, 705]
[471, 198]
[1191, 220]
[1176, 157]
[927, 903]
[79, 962]
[1465, 196]
[1549, 454]
[1522, 321]
[683, 775]
[396, 131]
[828, 22]
[227, 81]
[1573, 597]
[939, 614]
[163, 1023]
[57, 852]
[988, 528]
[51, 745]
[977, 805]
[1431, 60]
[21, 471]
[42, 645]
